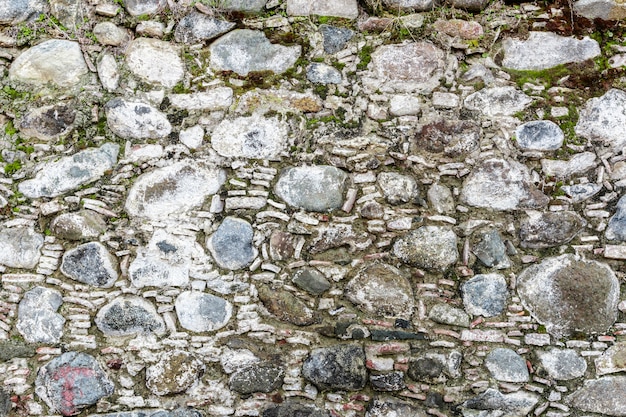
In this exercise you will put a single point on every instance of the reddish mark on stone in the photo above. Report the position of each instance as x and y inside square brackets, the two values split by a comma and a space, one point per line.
[360, 397]
[69, 393]
[353, 406]
[476, 322]
[530, 367]
[114, 364]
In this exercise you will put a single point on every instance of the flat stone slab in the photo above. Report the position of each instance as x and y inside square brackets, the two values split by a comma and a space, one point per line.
[429, 247]
[603, 118]
[502, 184]
[506, 365]
[37, 317]
[338, 367]
[315, 188]
[219, 98]
[71, 382]
[20, 247]
[337, 8]
[606, 396]
[155, 62]
[311, 281]
[90, 264]
[48, 122]
[415, 62]
[497, 101]
[547, 229]
[177, 188]
[563, 364]
[136, 120]
[202, 312]
[264, 377]
[78, 225]
[198, 27]
[231, 244]
[129, 315]
[569, 295]
[600, 9]
[59, 176]
[543, 50]
[244, 51]
[58, 62]
[577, 164]
[252, 137]
[446, 314]
[539, 135]
[516, 404]
[485, 295]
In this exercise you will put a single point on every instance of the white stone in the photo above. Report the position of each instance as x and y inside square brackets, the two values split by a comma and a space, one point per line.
[603, 119]
[136, 120]
[338, 8]
[253, 137]
[404, 105]
[497, 101]
[445, 100]
[578, 164]
[192, 137]
[154, 61]
[202, 312]
[108, 72]
[215, 99]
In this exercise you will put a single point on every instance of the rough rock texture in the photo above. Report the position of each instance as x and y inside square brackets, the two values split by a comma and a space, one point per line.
[497, 101]
[196, 27]
[286, 306]
[136, 120]
[347, 9]
[175, 372]
[539, 135]
[390, 406]
[336, 367]
[616, 229]
[544, 230]
[485, 295]
[91, 264]
[200, 312]
[129, 315]
[506, 365]
[20, 247]
[83, 224]
[563, 364]
[594, 396]
[397, 188]
[314, 188]
[516, 404]
[231, 244]
[601, 118]
[430, 247]
[612, 360]
[264, 377]
[48, 122]
[451, 137]
[600, 9]
[250, 137]
[38, 320]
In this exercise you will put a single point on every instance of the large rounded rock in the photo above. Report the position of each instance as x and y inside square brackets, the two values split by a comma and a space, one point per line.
[497, 101]
[20, 247]
[264, 377]
[605, 396]
[155, 61]
[136, 120]
[175, 372]
[429, 247]
[339, 367]
[91, 264]
[563, 364]
[128, 316]
[506, 365]
[315, 188]
[539, 135]
[544, 230]
[485, 295]
[201, 312]
[71, 382]
[231, 244]
[83, 224]
[15, 11]
[570, 295]
[37, 317]
[252, 137]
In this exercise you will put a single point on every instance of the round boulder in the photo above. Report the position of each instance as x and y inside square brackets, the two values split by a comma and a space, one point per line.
[429, 247]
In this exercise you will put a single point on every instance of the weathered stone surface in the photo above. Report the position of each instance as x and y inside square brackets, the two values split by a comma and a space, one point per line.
[83, 224]
[446, 314]
[37, 317]
[429, 247]
[252, 137]
[506, 365]
[408, 66]
[497, 101]
[218, 98]
[606, 396]
[335, 38]
[231, 244]
[569, 295]
[286, 306]
[243, 5]
[470, 5]
[108, 33]
[244, 50]
[563, 364]
[398, 188]
[71, 382]
[198, 27]
[453, 138]
[441, 199]
[175, 372]
[502, 184]
[485, 295]
[311, 281]
[281, 101]
[492, 403]
[491, 251]
[108, 72]
[581, 192]
[600, 9]
[577, 164]
[91, 264]
[13, 348]
[544, 230]
[177, 188]
[342, 8]
[263, 377]
[617, 223]
[201, 312]
[338, 235]
[539, 135]
[427, 368]
[5, 403]
[129, 315]
[155, 61]
[408, 5]
[543, 50]
[314, 188]
[20, 247]
[48, 122]
[58, 176]
[382, 290]
[319, 73]
[144, 7]
[56, 61]
[393, 381]
[336, 367]
[459, 28]
[390, 406]
[602, 119]
[292, 408]
[16, 11]
[612, 360]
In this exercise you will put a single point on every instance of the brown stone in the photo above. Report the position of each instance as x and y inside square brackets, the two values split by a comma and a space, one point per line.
[286, 306]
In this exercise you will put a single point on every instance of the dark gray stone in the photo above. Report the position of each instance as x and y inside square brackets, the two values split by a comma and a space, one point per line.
[617, 224]
[196, 27]
[48, 122]
[178, 412]
[563, 364]
[408, 5]
[339, 367]
[426, 368]
[506, 365]
[544, 230]
[20, 247]
[429, 247]
[201, 312]
[491, 251]
[379, 335]
[83, 224]
[264, 377]
[231, 244]
[335, 38]
[393, 381]
[11, 348]
[129, 315]
[91, 264]
[539, 135]
[605, 396]
[389, 406]
[71, 382]
[319, 73]
[37, 317]
[485, 295]
[5, 403]
[493, 403]
[294, 409]
[311, 281]
[314, 188]
[470, 5]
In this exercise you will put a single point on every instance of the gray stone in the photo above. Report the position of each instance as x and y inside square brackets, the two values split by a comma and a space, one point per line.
[5, 403]
[338, 235]
[453, 138]
[37, 317]
[175, 189]
[108, 33]
[219, 98]
[491, 251]
[319, 73]
[398, 188]
[577, 164]
[69, 12]
[58, 176]
[231, 244]
[485, 295]
[261, 377]
[545, 230]
[253, 137]
[493, 403]
[201, 312]
[427, 368]
[178, 412]
[108, 72]
[446, 314]
[129, 315]
[144, 7]
[286, 306]
[393, 407]
[603, 118]
[605, 396]
[48, 122]
[244, 51]
[71, 382]
[91, 264]
[243, 5]
[20, 247]
[501, 184]
[497, 101]
[315, 188]
[393, 381]
[408, 5]
[56, 61]
[155, 62]
[83, 224]
[543, 50]
[441, 199]
[381, 289]
[410, 66]
[563, 364]
[506, 365]
[14, 348]
[311, 281]
[175, 372]
[616, 229]
[338, 8]
[198, 27]
[612, 360]
[539, 135]
[338, 367]
[470, 5]
[292, 408]
[429, 247]
[581, 192]
[570, 295]
[600, 9]
[13, 12]
[335, 38]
